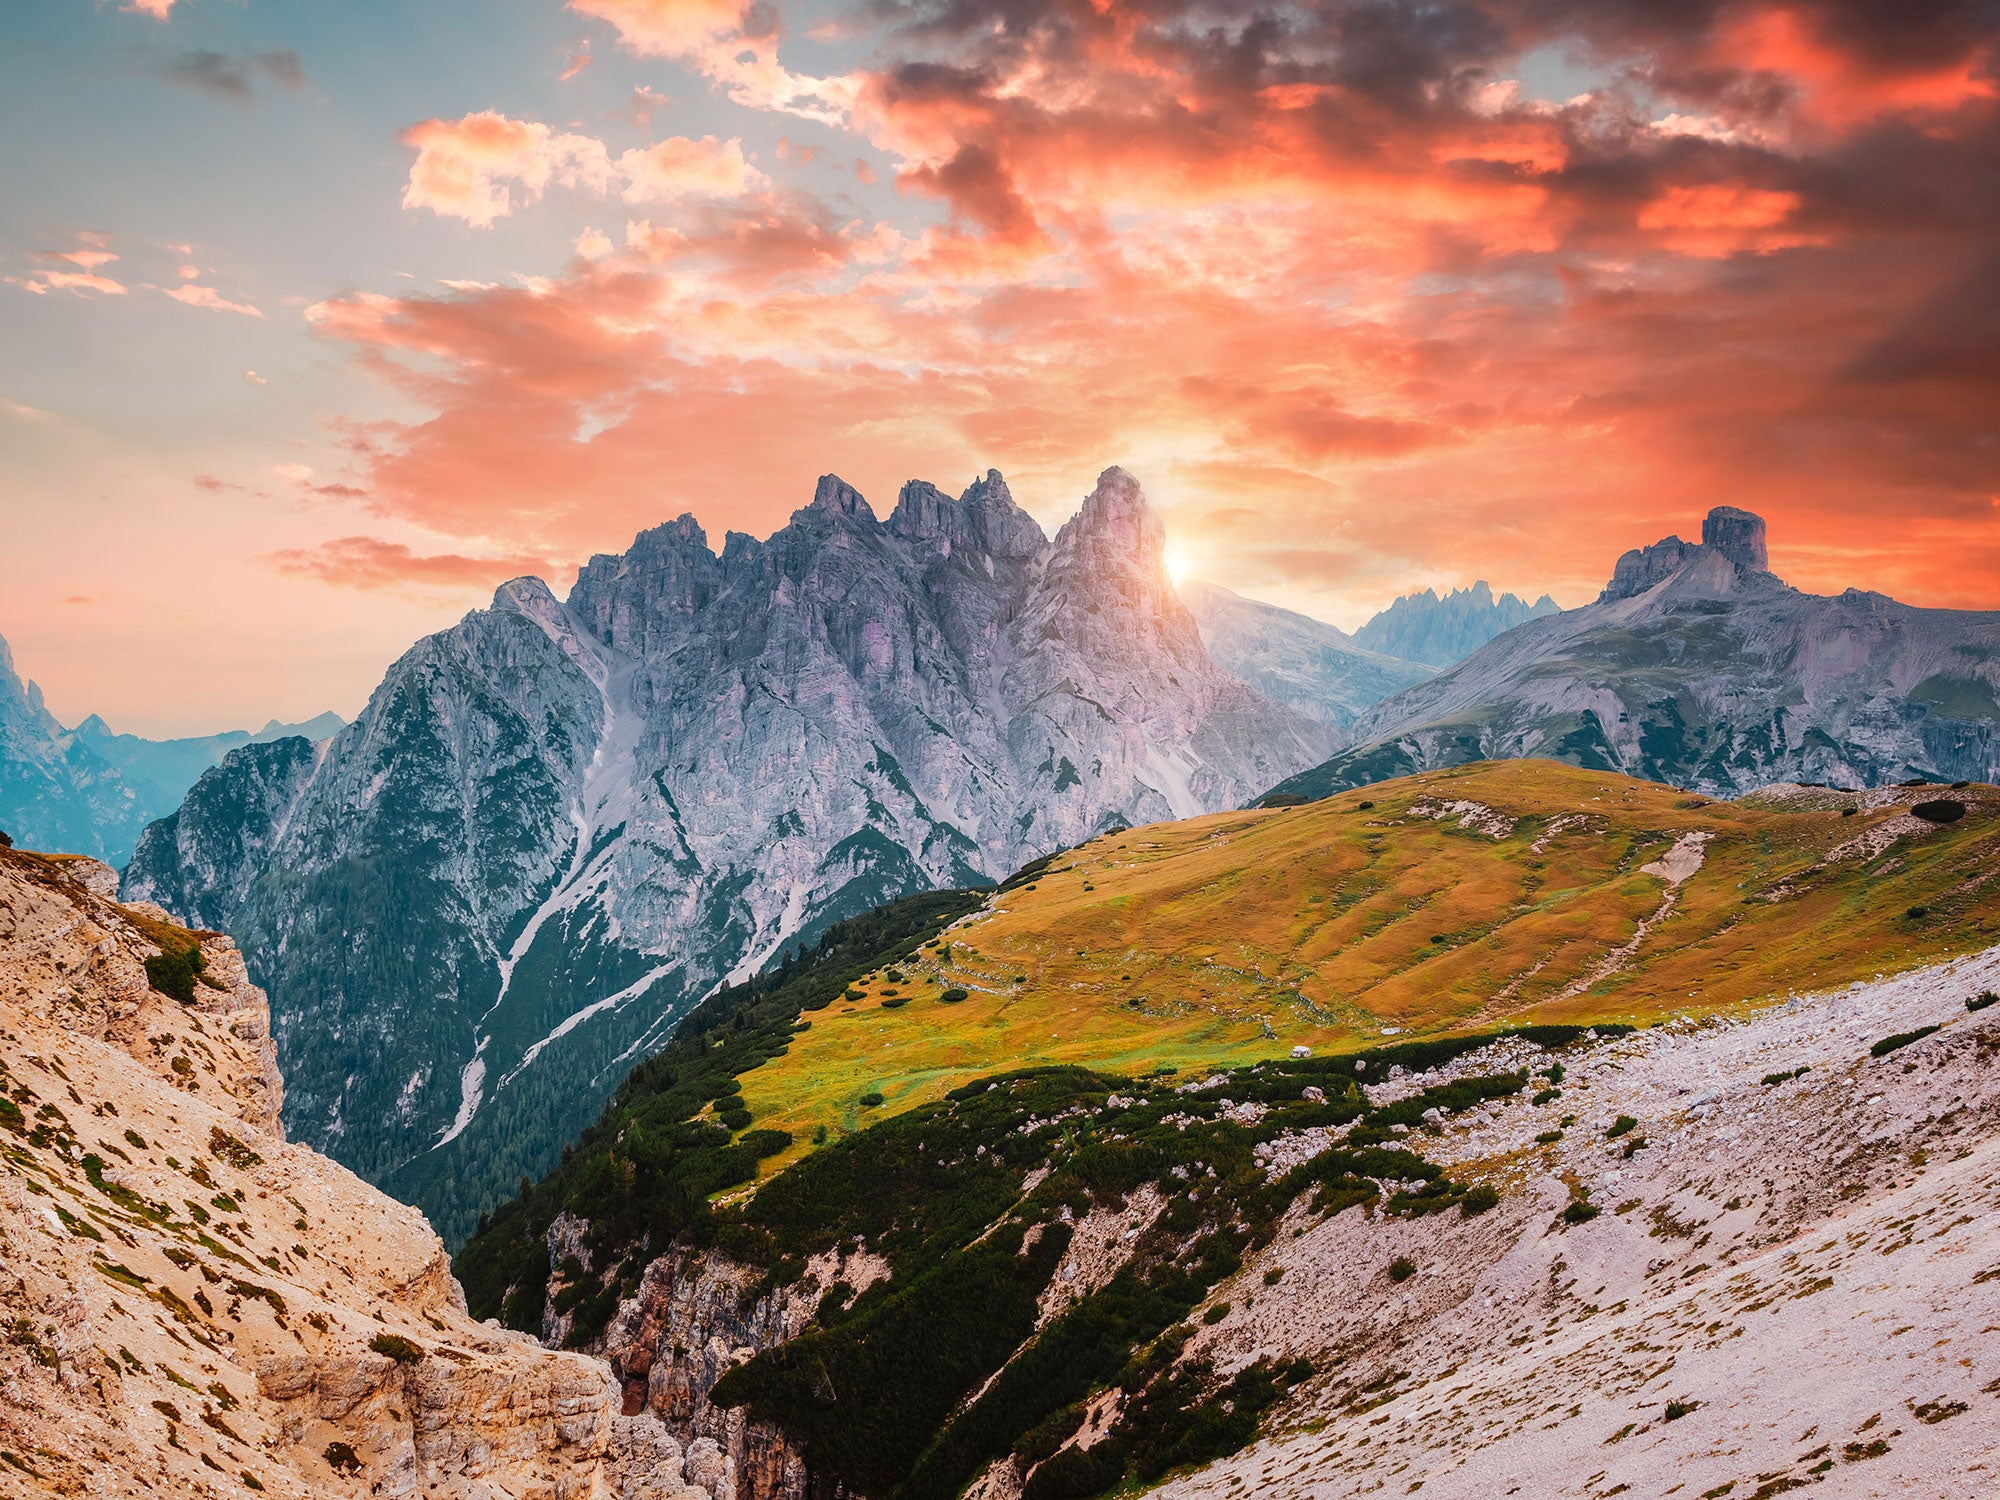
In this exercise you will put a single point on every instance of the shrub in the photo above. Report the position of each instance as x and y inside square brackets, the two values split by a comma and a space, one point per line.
[1917, 913]
[1479, 1200]
[173, 974]
[1981, 1000]
[872, 1099]
[895, 1002]
[1580, 1212]
[1216, 1314]
[403, 1351]
[1363, 806]
[819, 1135]
[1901, 1039]
[1939, 810]
[1623, 1125]
[6, 842]
[1776, 1078]
[1548, 1137]
[1546, 1096]
[953, 995]
[1678, 1409]
[855, 995]
[342, 1458]
[1402, 1268]
[1273, 1276]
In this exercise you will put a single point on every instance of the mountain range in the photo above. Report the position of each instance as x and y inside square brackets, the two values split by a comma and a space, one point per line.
[1440, 631]
[1698, 666]
[559, 824]
[1304, 663]
[91, 791]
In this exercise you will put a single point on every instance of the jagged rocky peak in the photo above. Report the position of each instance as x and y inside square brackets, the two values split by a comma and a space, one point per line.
[1728, 535]
[984, 518]
[834, 495]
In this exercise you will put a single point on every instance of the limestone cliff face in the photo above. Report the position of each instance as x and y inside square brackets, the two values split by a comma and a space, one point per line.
[195, 1306]
[560, 823]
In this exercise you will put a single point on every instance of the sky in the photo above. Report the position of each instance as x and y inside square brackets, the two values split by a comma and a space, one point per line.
[318, 321]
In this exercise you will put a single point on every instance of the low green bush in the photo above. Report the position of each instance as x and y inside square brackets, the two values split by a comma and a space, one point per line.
[1981, 1000]
[1900, 1040]
[1580, 1212]
[1479, 1200]
[174, 974]
[1623, 1125]
[1402, 1268]
[872, 1100]
[954, 995]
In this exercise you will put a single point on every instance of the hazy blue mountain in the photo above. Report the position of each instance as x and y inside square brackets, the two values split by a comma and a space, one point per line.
[559, 824]
[89, 791]
[1699, 667]
[1424, 628]
[1304, 663]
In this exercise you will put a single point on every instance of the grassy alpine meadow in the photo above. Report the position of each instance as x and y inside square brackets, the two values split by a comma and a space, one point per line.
[1462, 900]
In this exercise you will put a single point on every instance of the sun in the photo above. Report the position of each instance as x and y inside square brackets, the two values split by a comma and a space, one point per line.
[1176, 559]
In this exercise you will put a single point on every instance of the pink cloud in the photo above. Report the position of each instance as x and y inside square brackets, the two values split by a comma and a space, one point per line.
[679, 167]
[470, 168]
[159, 10]
[209, 297]
[731, 42]
[41, 282]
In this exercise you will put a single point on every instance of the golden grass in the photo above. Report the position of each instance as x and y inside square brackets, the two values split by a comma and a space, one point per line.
[1234, 937]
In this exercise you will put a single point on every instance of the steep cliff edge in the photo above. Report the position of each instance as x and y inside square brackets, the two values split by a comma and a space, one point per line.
[190, 1305]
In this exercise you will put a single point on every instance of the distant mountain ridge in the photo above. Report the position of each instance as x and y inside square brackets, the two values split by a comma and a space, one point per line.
[1303, 663]
[1699, 667]
[91, 791]
[558, 824]
[1441, 632]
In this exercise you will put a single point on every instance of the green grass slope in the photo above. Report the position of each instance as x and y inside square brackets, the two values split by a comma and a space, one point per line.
[1444, 903]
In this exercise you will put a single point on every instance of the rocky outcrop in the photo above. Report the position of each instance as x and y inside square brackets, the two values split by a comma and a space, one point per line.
[194, 1306]
[1439, 632]
[1300, 662]
[1699, 667]
[695, 1316]
[1735, 536]
[1756, 1258]
[560, 823]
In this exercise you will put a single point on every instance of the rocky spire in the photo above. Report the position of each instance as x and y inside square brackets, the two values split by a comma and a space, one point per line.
[1738, 535]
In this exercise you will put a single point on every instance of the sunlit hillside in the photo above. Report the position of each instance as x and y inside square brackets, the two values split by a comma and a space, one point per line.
[1459, 900]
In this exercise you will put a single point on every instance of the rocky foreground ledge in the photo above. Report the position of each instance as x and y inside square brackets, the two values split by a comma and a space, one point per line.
[1734, 1258]
[191, 1306]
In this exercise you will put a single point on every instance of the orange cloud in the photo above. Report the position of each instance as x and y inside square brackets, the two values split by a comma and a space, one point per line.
[159, 10]
[365, 562]
[1341, 274]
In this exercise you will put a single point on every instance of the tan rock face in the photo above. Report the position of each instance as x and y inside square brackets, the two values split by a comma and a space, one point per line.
[191, 1306]
[690, 1322]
